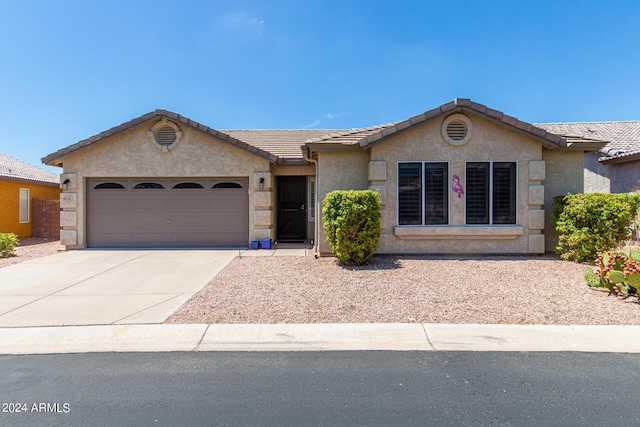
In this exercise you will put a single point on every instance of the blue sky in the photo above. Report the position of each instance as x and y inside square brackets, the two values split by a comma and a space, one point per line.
[70, 69]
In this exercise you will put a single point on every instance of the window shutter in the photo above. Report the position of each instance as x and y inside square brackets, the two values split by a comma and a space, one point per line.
[436, 190]
[477, 192]
[409, 193]
[504, 193]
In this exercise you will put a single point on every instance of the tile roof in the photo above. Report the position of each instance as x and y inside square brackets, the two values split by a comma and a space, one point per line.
[283, 143]
[55, 159]
[285, 146]
[623, 137]
[12, 169]
[350, 136]
[374, 134]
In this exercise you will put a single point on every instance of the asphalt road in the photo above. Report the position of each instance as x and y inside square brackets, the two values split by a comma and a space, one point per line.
[320, 388]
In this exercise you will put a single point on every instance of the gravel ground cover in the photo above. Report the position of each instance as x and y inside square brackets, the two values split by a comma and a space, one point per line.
[30, 248]
[430, 289]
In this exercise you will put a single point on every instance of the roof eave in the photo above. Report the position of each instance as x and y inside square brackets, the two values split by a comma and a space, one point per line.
[29, 181]
[620, 159]
[315, 147]
[56, 158]
[291, 161]
[586, 146]
[52, 161]
[549, 140]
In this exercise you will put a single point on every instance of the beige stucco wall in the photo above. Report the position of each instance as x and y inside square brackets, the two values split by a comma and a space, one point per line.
[133, 153]
[340, 170]
[565, 174]
[489, 141]
[609, 177]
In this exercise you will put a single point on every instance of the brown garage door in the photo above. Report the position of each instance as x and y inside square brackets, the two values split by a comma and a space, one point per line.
[152, 212]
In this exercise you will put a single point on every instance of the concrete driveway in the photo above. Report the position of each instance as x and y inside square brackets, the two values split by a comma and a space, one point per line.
[103, 287]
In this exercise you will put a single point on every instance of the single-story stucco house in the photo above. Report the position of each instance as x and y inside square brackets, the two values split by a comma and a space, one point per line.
[460, 178]
[21, 184]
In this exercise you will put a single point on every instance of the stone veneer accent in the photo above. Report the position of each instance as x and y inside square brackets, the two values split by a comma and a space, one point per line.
[69, 200]
[536, 194]
[68, 215]
[69, 237]
[68, 218]
[263, 206]
[377, 182]
[536, 216]
[377, 170]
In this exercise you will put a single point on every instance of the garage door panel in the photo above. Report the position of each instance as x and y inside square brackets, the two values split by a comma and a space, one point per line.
[189, 222]
[109, 203]
[226, 207]
[221, 227]
[149, 237]
[188, 238]
[146, 203]
[167, 217]
[188, 203]
[229, 194]
[148, 221]
[112, 222]
[115, 238]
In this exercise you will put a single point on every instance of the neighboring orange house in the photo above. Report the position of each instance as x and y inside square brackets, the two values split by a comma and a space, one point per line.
[20, 184]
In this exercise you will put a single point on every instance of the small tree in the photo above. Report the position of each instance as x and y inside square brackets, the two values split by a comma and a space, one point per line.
[8, 242]
[592, 222]
[352, 223]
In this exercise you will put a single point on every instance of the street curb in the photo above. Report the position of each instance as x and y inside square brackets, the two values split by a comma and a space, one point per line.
[319, 337]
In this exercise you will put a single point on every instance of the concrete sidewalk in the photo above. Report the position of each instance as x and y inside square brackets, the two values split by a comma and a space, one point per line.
[318, 337]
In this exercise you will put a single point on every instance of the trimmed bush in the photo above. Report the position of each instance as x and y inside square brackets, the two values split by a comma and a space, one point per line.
[593, 222]
[352, 224]
[8, 242]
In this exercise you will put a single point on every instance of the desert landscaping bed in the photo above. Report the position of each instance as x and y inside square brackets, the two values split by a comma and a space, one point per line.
[30, 248]
[430, 289]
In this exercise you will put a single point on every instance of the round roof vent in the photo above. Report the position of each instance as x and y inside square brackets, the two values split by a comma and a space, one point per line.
[165, 134]
[457, 129]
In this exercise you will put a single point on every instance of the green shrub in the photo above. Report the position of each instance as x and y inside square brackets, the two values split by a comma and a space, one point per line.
[619, 272]
[593, 222]
[352, 224]
[8, 242]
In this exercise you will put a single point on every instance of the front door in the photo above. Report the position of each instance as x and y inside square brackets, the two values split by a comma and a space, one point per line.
[292, 197]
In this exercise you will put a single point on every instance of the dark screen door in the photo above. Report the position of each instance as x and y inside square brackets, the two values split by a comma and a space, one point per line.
[292, 197]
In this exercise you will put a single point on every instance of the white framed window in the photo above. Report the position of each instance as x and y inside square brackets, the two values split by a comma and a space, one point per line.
[312, 199]
[423, 193]
[25, 216]
[490, 193]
